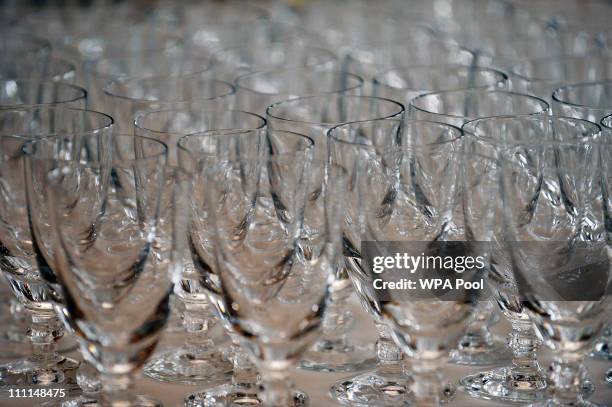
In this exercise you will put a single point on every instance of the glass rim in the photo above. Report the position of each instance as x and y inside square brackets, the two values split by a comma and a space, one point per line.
[93, 67]
[81, 93]
[162, 153]
[558, 99]
[469, 132]
[514, 70]
[139, 118]
[108, 92]
[310, 143]
[314, 70]
[54, 61]
[292, 43]
[502, 77]
[109, 119]
[475, 90]
[606, 122]
[402, 125]
[401, 111]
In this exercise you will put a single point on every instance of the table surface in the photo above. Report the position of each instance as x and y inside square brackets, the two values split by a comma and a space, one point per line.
[317, 384]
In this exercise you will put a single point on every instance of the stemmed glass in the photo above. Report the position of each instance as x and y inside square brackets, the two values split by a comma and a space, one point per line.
[335, 351]
[293, 256]
[486, 139]
[589, 101]
[200, 149]
[404, 192]
[256, 91]
[127, 98]
[115, 201]
[21, 264]
[553, 196]
[198, 360]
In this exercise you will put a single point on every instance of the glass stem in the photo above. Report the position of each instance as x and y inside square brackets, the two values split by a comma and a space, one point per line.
[388, 353]
[428, 382]
[244, 372]
[276, 388]
[525, 371]
[337, 317]
[44, 332]
[477, 334]
[117, 389]
[567, 375]
[198, 321]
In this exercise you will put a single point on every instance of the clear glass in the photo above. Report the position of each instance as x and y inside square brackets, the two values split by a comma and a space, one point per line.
[32, 93]
[568, 318]
[589, 101]
[256, 91]
[541, 76]
[301, 290]
[397, 197]
[137, 230]
[314, 116]
[198, 360]
[458, 106]
[129, 97]
[23, 269]
[407, 82]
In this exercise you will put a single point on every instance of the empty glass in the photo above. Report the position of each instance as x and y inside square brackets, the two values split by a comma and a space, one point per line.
[117, 215]
[406, 83]
[485, 139]
[199, 360]
[256, 91]
[589, 101]
[403, 189]
[558, 249]
[33, 67]
[129, 97]
[21, 264]
[314, 116]
[19, 93]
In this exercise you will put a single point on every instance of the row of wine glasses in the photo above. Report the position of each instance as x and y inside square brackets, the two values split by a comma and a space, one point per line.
[236, 77]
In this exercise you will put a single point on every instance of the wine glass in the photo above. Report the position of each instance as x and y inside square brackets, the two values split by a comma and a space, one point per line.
[116, 201]
[403, 196]
[335, 351]
[407, 82]
[22, 264]
[256, 91]
[589, 101]
[558, 249]
[198, 360]
[486, 139]
[127, 98]
[32, 93]
[195, 151]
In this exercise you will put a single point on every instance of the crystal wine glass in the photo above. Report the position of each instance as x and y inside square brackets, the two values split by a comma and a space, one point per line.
[335, 351]
[554, 219]
[21, 263]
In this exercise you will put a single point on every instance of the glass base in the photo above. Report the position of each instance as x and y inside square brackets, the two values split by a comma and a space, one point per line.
[26, 373]
[92, 401]
[371, 389]
[492, 385]
[581, 403]
[330, 358]
[181, 366]
[231, 395]
[495, 352]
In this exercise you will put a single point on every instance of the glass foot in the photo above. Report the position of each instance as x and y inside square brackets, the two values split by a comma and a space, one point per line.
[495, 352]
[181, 366]
[371, 389]
[581, 403]
[26, 373]
[493, 385]
[328, 357]
[229, 395]
[89, 401]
